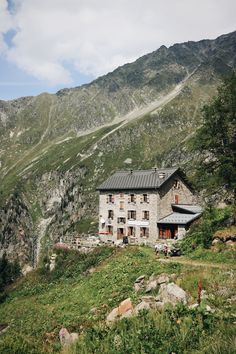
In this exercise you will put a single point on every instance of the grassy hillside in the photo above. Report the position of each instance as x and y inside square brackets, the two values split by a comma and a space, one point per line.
[71, 296]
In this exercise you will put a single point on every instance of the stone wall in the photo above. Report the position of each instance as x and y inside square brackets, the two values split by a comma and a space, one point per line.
[139, 206]
[167, 196]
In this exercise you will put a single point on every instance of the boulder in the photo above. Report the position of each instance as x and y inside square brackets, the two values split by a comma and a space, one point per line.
[151, 285]
[159, 305]
[112, 315]
[172, 293]
[139, 283]
[138, 287]
[216, 241]
[162, 279]
[125, 306]
[173, 276]
[153, 302]
[141, 306]
[127, 314]
[125, 309]
[148, 299]
[140, 279]
[230, 244]
[67, 338]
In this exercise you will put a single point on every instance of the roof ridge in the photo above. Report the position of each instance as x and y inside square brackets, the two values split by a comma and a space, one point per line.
[150, 169]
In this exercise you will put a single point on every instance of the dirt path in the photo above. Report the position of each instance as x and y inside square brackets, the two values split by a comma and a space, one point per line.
[194, 263]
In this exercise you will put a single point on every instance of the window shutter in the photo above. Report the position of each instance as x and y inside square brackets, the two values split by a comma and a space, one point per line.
[112, 199]
[107, 199]
[176, 199]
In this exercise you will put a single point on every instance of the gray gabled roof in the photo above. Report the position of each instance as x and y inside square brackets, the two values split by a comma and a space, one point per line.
[179, 218]
[140, 179]
[193, 209]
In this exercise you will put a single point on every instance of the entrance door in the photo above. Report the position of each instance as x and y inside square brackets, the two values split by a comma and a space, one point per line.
[167, 231]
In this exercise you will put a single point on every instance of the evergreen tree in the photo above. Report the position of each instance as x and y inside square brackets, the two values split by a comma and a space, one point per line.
[216, 141]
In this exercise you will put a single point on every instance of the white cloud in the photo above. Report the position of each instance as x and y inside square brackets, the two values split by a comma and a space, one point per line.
[97, 36]
[6, 24]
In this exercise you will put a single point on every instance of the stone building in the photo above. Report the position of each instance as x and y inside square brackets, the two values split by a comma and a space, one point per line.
[145, 205]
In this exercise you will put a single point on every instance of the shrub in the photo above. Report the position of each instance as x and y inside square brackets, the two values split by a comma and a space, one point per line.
[201, 233]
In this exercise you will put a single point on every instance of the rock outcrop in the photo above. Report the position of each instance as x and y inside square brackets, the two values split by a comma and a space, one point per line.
[169, 293]
[172, 293]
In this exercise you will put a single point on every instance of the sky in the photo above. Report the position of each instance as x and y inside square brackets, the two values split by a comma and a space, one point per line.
[46, 45]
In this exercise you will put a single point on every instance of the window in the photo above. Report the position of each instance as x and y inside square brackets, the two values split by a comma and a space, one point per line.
[131, 231]
[110, 229]
[132, 198]
[122, 195]
[176, 184]
[110, 214]
[145, 198]
[122, 206]
[176, 199]
[132, 214]
[144, 231]
[145, 215]
[121, 220]
[110, 198]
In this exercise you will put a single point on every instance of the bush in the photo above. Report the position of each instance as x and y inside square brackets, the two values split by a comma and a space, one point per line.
[201, 233]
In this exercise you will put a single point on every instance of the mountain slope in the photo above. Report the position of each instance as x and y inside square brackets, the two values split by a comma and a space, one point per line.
[55, 149]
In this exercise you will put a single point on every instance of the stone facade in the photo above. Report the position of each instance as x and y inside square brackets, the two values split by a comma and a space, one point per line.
[135, 213]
